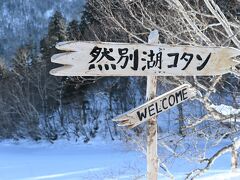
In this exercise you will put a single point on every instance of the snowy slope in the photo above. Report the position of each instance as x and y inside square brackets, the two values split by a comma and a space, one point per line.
[99, 159]
[68, 161]
[26, 21]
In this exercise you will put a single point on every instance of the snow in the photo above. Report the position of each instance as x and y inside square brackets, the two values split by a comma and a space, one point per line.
[49, 13]
[99, 159]
[68, 161]
[225, 109]
[222, 175]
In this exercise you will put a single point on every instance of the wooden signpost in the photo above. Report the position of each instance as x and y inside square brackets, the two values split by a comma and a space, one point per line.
[124, 59]
[151, 60]
[152, 125]
[155, 106]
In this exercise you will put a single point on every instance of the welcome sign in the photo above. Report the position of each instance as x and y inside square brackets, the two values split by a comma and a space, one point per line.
[155, 106]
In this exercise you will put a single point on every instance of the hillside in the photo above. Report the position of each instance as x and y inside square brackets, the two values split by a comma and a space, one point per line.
[25, 21]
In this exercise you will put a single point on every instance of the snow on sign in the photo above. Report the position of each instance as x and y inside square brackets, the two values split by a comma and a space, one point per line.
[155, 106]
[124, 59]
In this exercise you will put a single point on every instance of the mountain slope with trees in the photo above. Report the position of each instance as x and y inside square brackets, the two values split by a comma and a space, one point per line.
[26, 21]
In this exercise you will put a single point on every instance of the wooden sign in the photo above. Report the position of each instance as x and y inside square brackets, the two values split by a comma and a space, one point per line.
[155, 106]
[124, 59]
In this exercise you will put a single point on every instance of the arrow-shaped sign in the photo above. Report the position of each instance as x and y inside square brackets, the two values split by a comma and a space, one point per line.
[155, 106]
[124, 59]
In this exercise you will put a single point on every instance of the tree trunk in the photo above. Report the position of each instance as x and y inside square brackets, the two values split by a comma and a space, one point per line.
[180, 119]
[234, 158]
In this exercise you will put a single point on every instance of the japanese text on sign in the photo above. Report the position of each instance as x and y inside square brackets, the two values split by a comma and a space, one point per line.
[149, 59]
[125, 59]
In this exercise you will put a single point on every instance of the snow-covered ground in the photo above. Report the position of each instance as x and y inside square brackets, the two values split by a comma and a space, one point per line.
[69, 161]
[96, 160]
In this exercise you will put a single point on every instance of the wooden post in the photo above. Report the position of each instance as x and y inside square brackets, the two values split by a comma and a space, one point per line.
[152, 157]
[234, 158]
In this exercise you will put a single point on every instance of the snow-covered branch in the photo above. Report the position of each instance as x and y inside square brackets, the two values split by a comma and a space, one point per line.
[210, 161]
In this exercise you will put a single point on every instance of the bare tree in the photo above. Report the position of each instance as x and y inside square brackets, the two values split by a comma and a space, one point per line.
[182, 22]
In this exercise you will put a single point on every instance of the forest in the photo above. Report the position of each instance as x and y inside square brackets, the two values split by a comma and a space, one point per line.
[26, 21]
[38, 106]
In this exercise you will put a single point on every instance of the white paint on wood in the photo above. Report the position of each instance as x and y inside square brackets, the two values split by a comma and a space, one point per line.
[124, 59]
[156, 106]
[152, 126]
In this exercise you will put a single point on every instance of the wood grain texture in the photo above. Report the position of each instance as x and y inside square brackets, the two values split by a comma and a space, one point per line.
[154, 107]
[77, 60]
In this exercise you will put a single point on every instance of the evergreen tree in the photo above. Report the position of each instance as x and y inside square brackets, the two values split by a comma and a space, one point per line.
[87, 17]
[57, 28]
[73, 31]
[56, 33]
[53, 85]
